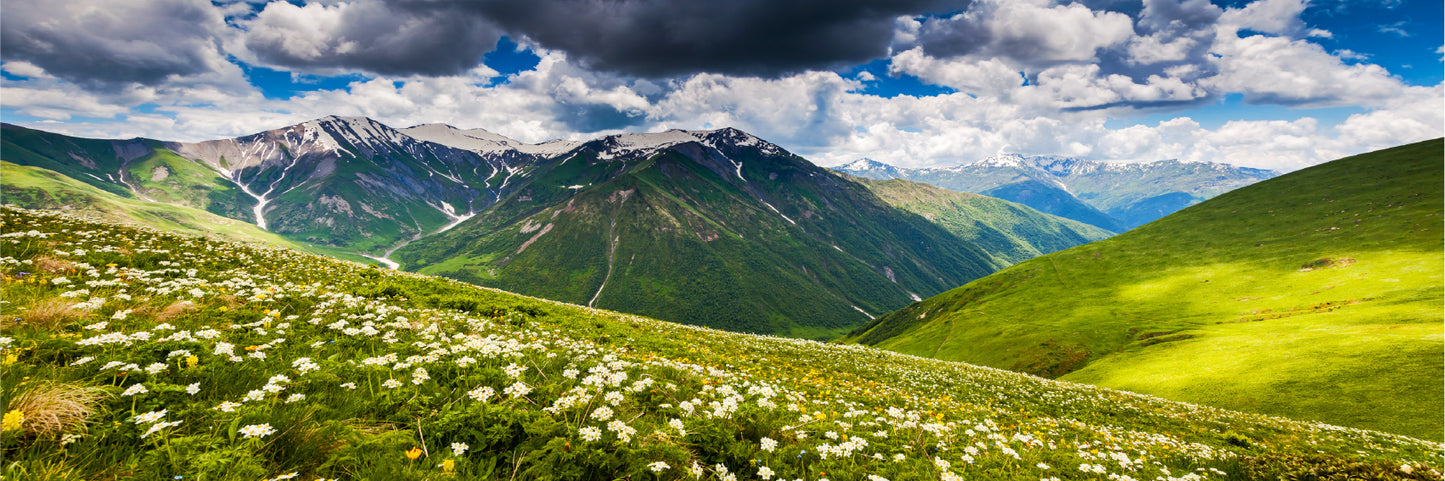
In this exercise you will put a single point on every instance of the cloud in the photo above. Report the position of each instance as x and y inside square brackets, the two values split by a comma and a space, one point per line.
[1032, 33]
[1278, 17]
[107, 45]
[664, 38]
[1397, 28]
[369, 35]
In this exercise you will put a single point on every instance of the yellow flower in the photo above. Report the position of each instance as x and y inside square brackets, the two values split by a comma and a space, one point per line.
[13, 420]
[191, 361]
[9, 359]
[449, 465]
[414, 453]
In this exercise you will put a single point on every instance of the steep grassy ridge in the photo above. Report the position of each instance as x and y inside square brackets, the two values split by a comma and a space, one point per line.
[137, 354]
[38, 188]
[1315, 295]
[1011, 232]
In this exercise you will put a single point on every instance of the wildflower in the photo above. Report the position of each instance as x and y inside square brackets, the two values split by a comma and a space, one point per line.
[69, 438]
[658, 467]
[459, 448]
[513, 370]
[413, 453]
[677, 424]
[765, 472]
[13, 420]
[769, 444]
[391, 383]
[518, 390]
[481, 393]
[150, 417]
[191, 361]
[602, 413]
[295, 397]
[193, 388]
[228, 407]
[155, 368]
[135, 389]
[257, 430]
[589, 433]
[159, 426]
[448, 465]
[1042, 466]
[349, 385]
[255, 395]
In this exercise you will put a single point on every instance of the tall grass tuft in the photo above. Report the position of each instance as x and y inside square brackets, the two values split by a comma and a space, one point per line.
[51, 313]
[56, 407]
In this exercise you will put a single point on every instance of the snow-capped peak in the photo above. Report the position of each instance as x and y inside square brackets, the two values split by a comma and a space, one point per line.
[486, 142]
[644, 144]
[1001, 160]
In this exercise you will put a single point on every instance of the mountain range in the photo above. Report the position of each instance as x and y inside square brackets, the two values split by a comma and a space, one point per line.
[716, 227]
[1110, 195]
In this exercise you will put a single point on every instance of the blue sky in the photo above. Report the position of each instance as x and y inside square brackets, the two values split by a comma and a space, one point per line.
[1267, 83]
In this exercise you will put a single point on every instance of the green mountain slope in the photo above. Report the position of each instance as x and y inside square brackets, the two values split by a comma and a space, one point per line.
[199, 359]
[716, 232]
[1011, 232]
[1315, 295]
[38, 188]
[1050, 199]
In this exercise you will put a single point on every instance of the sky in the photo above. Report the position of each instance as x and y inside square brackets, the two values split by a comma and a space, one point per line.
[1279, 84]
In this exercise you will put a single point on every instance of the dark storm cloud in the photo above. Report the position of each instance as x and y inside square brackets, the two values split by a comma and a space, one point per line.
[659, 38]
[374, 36]
[107, 44]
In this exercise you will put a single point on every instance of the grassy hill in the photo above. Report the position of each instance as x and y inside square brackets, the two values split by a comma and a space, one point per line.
[1010, 232]
[138, 354]
[38, 188]
[1315, 295]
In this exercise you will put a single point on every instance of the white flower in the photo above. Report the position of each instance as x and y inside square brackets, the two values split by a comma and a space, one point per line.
[513, 370]
[1042, 466]
[159, 426]
[349, 385]
[254, 395]
[419, 376]
[150, 417]
[769, 444]
[228, 407]
[257, 430]
[459, 448]
[481, 393]
[391, 383]
[155, 368]
[136, 389]
[590, 433]
[765, 472]
[295, 397]
[658, 467]
[518, 390]
[193, 388]
[602, 413]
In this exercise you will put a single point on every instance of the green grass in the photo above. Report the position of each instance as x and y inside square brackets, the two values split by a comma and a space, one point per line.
[35, 187]
[1010, 232]
[1213, 304]
[339, 370]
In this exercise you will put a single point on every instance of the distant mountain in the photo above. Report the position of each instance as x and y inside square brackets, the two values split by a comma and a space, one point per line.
[1112, 196]
[1009, 231]
[717, 228]
[1315, 295]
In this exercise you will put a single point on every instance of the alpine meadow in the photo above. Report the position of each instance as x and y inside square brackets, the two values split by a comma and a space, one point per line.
[741, 240]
